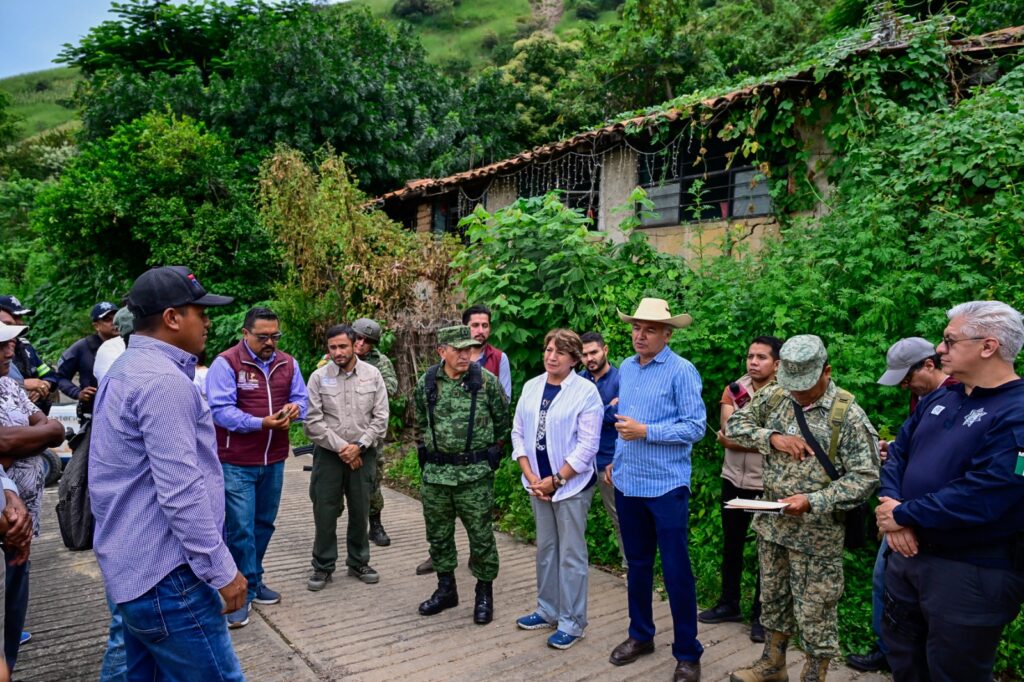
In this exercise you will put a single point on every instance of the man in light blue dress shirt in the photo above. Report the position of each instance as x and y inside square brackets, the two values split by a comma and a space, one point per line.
[660, 416]
[157, 491]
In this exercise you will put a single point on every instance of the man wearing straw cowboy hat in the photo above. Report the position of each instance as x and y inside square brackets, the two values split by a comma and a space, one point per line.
[661, 415]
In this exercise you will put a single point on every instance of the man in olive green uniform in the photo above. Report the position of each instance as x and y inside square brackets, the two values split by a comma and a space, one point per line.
[367, 338]
[801, 551]
[458, 477]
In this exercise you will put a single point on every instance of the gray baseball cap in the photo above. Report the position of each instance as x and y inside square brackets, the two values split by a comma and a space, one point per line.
[903, 355]
[801, 362]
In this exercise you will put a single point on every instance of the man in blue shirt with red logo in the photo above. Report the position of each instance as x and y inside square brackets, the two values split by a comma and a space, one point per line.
[255, 392]
[952, 506]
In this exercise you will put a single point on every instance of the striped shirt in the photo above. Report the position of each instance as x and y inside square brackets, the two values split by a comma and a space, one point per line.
[664, 394]
[155, 483]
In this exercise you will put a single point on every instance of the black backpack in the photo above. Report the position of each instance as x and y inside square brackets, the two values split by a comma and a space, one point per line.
[74, 513]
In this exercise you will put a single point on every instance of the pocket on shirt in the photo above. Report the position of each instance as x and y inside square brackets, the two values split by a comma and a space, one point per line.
[365, 397]
[331, 390]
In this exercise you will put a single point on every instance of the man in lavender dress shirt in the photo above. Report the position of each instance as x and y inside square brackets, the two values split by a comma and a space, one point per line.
[157, 491]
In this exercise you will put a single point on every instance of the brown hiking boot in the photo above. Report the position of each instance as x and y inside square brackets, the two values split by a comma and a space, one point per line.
[815, 669]
[771, 667]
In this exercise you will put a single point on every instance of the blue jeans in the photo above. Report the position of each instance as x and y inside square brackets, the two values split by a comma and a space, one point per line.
[877, 595]
[175, 631]
[115, 666]
[252, 495]
[661, 523]
[15, 607]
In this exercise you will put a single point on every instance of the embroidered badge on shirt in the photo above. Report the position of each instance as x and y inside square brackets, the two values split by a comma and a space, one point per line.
[1020, 463]
[974, 417]
[247, 381]
[329, 381]
[938, 409]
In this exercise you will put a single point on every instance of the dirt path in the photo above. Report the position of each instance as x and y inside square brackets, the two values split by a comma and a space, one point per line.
[550, 11]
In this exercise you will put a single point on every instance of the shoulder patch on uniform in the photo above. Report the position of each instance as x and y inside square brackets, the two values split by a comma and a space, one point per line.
[938, 409]
[1019, 470]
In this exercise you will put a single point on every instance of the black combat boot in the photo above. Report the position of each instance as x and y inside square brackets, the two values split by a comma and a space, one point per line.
[377, 534]
[483, 611]
[445, 596]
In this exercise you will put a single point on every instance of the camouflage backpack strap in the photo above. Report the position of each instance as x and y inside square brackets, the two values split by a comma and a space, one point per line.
[840, 406]
[474, 382]
[430, 388]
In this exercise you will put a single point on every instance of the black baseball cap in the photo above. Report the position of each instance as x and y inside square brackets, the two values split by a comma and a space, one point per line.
[169, 286]
[14, 306]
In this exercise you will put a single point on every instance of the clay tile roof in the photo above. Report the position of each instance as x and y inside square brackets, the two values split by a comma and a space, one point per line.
[1004, 39]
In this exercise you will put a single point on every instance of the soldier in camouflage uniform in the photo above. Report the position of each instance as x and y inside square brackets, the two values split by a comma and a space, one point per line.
[458, 478]
[367, 338]
[801, 551]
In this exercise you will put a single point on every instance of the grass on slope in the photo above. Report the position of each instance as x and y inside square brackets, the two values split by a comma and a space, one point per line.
[42, 99]
[459, 34]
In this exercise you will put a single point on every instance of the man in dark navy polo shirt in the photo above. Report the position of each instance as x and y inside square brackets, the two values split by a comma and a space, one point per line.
[952, 506]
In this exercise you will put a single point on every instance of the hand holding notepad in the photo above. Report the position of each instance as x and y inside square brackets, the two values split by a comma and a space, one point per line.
[756, 506]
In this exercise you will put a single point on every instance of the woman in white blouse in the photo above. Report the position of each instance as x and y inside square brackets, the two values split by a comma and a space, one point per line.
[555, 437]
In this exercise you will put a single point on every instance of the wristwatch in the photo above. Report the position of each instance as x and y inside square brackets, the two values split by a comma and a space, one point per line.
[557, 480]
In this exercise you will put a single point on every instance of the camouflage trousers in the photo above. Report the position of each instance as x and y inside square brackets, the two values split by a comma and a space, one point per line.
[473, 504]
[800, 592]
[376, 499]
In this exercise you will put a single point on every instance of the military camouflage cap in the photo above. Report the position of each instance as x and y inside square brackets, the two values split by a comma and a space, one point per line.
[801, 361]
[368, 329]
[457, 337]
[124, 321]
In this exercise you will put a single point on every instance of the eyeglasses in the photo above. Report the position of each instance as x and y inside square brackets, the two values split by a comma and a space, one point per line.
[950, 341]
[263, 338]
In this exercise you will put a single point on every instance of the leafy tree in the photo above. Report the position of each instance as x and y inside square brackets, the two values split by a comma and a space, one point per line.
[345, 79]
[758, 36]
[23, 259]
[158, 55]
[346, 261]
[658, 51]
[513, 107]
[975, 17]
[160, 190]
[415, 10]
[113, 98]
[8, 122]
[160, 36]
[663, 49]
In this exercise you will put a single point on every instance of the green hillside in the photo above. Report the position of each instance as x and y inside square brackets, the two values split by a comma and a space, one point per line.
[469, 31]
[42, 99]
